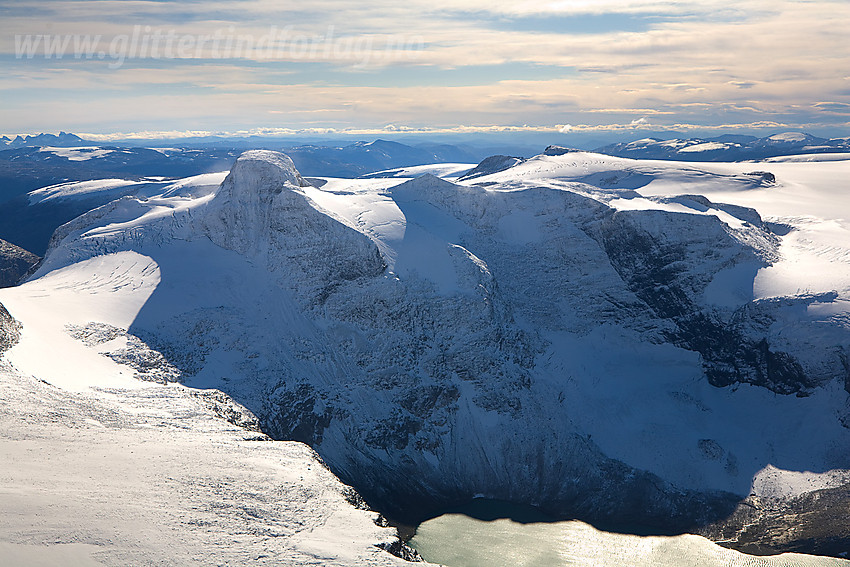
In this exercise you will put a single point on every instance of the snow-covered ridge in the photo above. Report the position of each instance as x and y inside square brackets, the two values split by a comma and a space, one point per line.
[448, 170]
[492, 164]
[79, 189]
[790, 137]
[727, 148]
[530, 334]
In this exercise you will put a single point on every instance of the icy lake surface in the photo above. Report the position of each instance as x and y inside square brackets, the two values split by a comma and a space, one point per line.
[460, 540]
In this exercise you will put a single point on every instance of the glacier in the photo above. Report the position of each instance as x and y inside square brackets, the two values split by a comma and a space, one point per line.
[615, 340]
[103, 469]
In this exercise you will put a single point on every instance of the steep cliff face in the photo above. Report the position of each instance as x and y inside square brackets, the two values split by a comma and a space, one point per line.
[262, 213]
[15, 262]
[672, 263]
[530, 338]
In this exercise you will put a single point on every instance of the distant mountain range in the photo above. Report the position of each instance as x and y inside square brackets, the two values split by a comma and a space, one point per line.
[361, 158]
[344, 159]
[32, 162]
[26, 167]
[727, 148]
[28, 163]
[63, 139]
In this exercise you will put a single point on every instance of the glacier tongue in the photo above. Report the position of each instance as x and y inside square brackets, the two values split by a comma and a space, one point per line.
[534, 339]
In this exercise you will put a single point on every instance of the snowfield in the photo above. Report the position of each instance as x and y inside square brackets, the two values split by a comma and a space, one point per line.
[82, 153]
[105, 462]
[79, 189]
[446, 170]
[614, 339]
[201, 184]
[154, 476]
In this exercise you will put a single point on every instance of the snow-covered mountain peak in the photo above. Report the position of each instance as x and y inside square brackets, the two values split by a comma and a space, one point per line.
[258, 181]
[426, 180]
[264, 171]
[497, 163]
[262, 212]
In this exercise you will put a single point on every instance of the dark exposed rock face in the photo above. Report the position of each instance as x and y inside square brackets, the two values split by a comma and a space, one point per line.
[766, 176]
[816, 523]
[10, 330]
[733, 343]
[492, 164]
[226, 408]
[298, 414]
[402, 550]
[558, 150]
[613, 495]
[15, 262]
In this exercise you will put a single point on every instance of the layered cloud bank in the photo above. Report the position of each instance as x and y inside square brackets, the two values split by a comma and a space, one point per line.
[209, 66]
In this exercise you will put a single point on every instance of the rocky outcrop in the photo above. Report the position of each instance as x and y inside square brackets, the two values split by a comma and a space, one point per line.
[15, 262]
[492, 164]
[669, 261]
[148, 364]
[815, 522]
[10, 330]
[558, 150]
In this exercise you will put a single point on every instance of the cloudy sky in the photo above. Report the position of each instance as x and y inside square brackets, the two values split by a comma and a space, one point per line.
[330, 66]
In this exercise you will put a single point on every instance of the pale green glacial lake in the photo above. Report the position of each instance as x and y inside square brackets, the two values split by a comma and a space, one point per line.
[458, 540]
